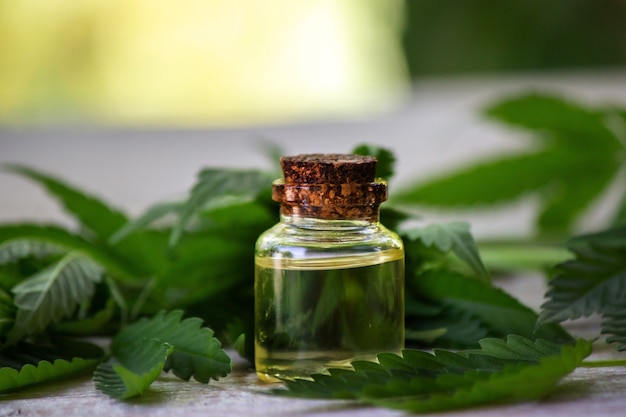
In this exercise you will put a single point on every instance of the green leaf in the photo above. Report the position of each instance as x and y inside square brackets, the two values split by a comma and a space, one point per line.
[154, 213]
[240, 346]
[196, 352]
[15, 249]
[518, 348]
[501, 313]
[570, 140]
[552, 174]
[273, 152]
[25, 364]
[514, 383]
[425, 336]
[89, 325]
[44, 371]
[592, 282]
[90, 211]
[134, 368]
[216, 187]
[55, 236]
[454, 237]
[7, 313]
[614, 324]
[146, 252]
[508, 370]
[557, 115]
[207, 264]
[455, 328]
[569, 193]
[620, 215]
[393, 217]
[52, 294]
[386, 159]
[486, 183]
[521, 255]
[217, 258]
[142, 252]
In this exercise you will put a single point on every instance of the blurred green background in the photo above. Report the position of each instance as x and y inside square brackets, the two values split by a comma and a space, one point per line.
[490, 36]
[210, 62]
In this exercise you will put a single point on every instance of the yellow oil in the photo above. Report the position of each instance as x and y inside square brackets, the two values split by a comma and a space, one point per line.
[312, 314]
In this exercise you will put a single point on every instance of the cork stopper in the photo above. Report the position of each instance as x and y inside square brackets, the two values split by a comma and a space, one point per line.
[330, 186]
[328, 169]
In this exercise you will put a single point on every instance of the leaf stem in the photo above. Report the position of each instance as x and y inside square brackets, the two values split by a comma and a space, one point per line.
[603, 363]
[142, 298]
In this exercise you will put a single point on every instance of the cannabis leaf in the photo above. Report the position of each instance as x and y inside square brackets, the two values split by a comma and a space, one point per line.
[501, 371]
[195, 351]
[566, 120]
[14, 249]
[90, 212]
[433, 323]
[27, 364]
[92, 324]
[593, 282]
[7, 312]
[216, 187]
[614, 324]
[385, 158]
[143, 252]
[569, 139]
[620, 216]
[211, 267]
[165, 342]
[455, 237]
[521, 256]
[495, 310]
[198, 254]
[134, 368]
[522, 382]
[154, 213]
[53, 293]
[55, 236]
[44, 371]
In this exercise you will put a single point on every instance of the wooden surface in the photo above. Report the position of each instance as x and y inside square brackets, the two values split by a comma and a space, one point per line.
[585, 392]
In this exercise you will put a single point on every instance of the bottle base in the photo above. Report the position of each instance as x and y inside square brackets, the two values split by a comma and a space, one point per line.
[277, 370]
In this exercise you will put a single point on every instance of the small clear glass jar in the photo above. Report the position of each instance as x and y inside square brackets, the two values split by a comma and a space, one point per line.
[329, 278]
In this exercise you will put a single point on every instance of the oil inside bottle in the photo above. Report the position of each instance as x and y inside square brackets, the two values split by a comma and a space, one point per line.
[315, 313]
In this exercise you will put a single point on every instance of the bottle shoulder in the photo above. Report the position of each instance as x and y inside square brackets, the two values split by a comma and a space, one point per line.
[288, 240]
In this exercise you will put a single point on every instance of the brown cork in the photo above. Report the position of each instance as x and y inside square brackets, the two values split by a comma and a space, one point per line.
[329, 186]
[328, 169]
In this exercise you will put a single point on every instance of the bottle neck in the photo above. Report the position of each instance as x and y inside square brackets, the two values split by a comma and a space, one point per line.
[314, 223]
[346, 214]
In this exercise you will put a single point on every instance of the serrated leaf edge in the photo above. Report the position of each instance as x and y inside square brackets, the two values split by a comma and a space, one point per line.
[21, 376]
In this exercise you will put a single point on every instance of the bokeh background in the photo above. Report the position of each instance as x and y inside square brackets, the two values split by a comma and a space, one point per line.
[130, 99]
[245, 62]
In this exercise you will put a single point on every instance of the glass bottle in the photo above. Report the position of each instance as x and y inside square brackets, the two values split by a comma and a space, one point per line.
[329, 278]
